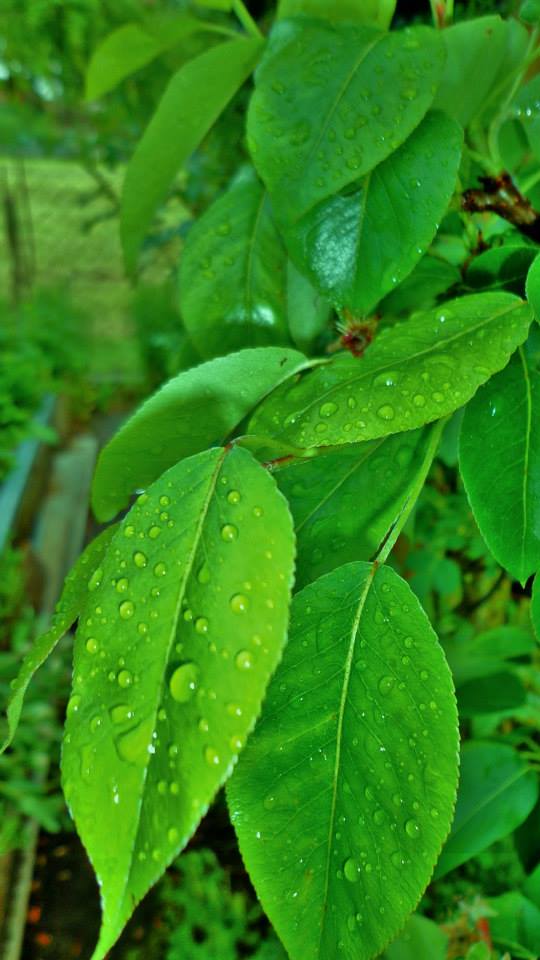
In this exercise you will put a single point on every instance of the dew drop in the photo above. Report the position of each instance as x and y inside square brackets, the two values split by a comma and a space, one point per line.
[160, 569]
[244, 660]
[350, 870]
[139, 559]
[201, 625]
[211, 756]
[126, 609]
[92, 645]
[122, 585]
[327, 409]
[239, 603]
[386, 412]
[164, 501]
[229, 532]
[124, 679]
[385, 685]
[154, 532]
[129, 531]
[95, 580]
[412, 829]
[172, 835]
[73, 705]
[183, 682]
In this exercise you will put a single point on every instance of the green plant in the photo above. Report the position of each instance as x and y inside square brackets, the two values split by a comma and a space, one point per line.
[387, 222]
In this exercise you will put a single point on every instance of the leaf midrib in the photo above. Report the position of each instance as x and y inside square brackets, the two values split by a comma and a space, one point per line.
[339, 736]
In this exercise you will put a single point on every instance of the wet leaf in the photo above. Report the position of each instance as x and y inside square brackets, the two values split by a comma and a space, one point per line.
[533, 287]
[308, 312]
[500, 438]
[194, 410]
[233, 279]
[187, 624]
[345, 792]
[363, 93]
[344, 502]
[414, 372]
[191, 104]
[497, 791]
[72, 602]
[356, 247]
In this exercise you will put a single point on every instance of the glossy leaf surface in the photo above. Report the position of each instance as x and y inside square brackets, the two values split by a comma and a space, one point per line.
[187, 623]
[376, 12]
[192, 102]
[500, 438]
[363, 93]
[497, 791]
[474, 53]
[344, 502]
[72, 602]
[358, 246]
[503, 267]
[430, 278]
[535, 607]
[233, 279]
[194, 410]
[345, 791]
[414, 372]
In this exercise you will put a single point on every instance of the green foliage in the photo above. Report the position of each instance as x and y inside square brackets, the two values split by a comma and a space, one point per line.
[404, 443]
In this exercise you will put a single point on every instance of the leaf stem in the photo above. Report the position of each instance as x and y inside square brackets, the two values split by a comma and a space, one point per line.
[246, 19]
[399, 522]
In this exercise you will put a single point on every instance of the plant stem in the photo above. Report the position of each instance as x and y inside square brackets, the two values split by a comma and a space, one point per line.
[246, 19]
[397, 526]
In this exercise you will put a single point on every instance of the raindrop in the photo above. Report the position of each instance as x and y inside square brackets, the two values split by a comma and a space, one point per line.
[183, 682]
[160, 569]
[412, 829]
[385, 685]
[239, 603]
[124, 679]
[244, 660]
[92, 645]
[211, 756]
[126, 609]
[350, 870]
[201, 625]
[229, 532]
[129, 531]
[95, 580]
[122, 585]
[154, 532]
[327, 409]
[139, 559]
[73, 705]
[234, 496]
[386, 412]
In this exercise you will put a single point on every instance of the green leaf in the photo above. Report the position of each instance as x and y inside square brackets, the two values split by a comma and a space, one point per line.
[475, 50]
[233, 280]
[490, 694]
[132, 46]
[516, 920]
[485, 654]
[192, 102]
[501, 267]
[194, 410]
[356, 247]
[414, 372]
[533, 287]
[191, 617]
[421, 939]
[497, 792]
[308, 313]
[72, 601]
[500, 439]
[430, 278]
[344, 502]
[347, 786]
[378, 13]
[363, 93]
